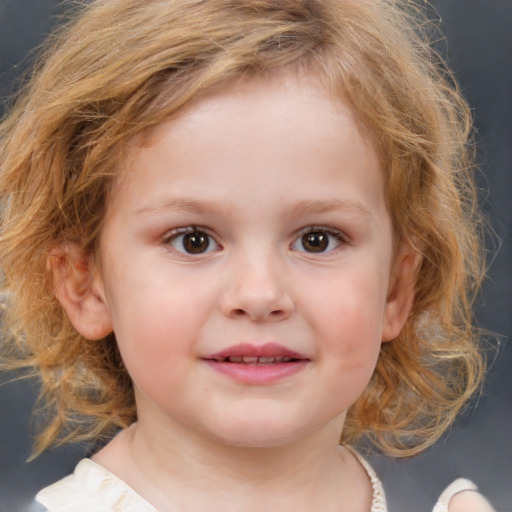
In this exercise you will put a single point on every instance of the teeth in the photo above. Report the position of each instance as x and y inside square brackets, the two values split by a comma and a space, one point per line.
[259, 360]
[250, 359]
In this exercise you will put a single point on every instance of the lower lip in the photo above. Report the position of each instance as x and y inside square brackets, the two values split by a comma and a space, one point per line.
[258, 374]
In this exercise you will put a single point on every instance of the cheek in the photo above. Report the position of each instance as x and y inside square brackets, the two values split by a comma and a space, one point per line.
[156, 328]
[348, 320]
[350, 355]
[353, 349]
[351, 311]
[157, 319]
[156, 346]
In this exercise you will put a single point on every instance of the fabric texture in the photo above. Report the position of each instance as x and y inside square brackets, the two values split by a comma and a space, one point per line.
[91, 488]
[458, 486]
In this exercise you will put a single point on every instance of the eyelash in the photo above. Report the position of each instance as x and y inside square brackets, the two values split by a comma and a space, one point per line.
[339, 236]
[172, 239]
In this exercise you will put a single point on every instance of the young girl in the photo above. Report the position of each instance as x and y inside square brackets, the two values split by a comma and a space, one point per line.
[240, 232]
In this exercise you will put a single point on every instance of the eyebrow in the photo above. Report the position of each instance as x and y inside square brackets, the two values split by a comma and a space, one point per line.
[303, 207]
[309, 206]
[184, 205]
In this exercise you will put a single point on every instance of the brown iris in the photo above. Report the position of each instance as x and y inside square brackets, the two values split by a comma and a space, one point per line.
[196, 242]
[316, 241]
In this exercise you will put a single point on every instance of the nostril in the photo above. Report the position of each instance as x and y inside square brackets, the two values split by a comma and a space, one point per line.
[258, 315]
[252, 303]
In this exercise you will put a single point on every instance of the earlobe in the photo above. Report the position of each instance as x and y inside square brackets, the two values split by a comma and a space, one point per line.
[401, 291]
[79, 291]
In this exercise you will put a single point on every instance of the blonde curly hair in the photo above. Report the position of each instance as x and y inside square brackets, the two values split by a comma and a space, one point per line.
[124, 66]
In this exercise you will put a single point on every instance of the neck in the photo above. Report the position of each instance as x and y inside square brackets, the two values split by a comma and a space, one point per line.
[175, 469]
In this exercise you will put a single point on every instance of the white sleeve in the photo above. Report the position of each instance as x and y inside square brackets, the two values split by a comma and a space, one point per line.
[456, 487]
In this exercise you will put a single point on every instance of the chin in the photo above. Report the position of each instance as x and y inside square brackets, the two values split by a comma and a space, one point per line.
[259, 434]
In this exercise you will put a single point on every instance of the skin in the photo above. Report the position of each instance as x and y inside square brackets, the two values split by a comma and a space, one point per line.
[469, 501]
[255, 168]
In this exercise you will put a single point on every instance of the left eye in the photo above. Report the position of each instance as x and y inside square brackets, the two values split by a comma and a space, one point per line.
[318, 241]
[192, 242]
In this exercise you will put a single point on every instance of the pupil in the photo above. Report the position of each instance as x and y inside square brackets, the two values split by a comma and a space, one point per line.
[315, 241]
[196, 242]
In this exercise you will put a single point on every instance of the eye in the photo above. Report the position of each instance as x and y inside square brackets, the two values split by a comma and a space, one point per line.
[191, 241]
[318, 240]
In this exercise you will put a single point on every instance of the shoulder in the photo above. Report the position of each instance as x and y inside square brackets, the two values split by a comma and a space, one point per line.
[91, 486]
[462, 496]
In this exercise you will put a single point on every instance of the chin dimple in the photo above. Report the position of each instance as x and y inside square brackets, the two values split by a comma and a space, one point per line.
[255, 360]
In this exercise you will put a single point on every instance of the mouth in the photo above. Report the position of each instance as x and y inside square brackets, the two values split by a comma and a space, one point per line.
[246, 353]
[257, 365]
[255, 360]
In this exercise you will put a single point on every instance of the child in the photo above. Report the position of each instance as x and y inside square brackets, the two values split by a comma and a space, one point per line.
[240, 232]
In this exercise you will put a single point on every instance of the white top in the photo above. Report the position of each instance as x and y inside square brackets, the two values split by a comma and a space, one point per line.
[92, 488]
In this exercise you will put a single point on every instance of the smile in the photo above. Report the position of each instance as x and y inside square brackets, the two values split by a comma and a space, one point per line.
[255, 360]
[257, 365]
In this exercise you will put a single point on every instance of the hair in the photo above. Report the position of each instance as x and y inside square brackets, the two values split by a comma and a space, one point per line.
[121, 67]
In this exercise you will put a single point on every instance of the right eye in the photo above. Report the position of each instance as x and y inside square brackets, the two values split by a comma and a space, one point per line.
[191, 241]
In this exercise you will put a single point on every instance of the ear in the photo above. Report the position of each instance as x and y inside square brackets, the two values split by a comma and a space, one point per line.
[79, 290]
[400, 298]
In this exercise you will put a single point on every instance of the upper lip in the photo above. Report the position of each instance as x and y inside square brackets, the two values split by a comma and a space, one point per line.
[250, 350]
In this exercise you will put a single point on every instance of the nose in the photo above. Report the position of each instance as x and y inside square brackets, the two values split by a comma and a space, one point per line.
[256, 289]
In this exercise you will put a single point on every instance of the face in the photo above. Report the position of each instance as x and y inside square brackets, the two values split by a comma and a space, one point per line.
[246, 260]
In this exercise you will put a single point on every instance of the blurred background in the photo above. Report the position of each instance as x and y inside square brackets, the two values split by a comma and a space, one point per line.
[478, 45]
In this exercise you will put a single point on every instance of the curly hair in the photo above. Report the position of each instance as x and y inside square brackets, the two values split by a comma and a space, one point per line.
[120, 67]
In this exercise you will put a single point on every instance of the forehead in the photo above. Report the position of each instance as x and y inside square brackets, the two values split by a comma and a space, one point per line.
[276, 123]
[294, 87]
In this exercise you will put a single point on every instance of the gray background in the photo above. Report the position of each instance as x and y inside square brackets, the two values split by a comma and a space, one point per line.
[479, 446]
